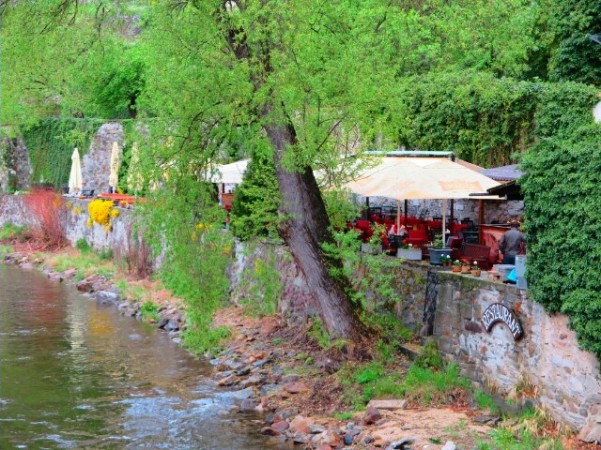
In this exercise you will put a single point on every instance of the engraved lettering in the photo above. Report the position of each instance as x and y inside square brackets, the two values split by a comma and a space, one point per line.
[498, 312]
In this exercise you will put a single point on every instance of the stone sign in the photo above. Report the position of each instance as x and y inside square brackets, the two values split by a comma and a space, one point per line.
[500, 313]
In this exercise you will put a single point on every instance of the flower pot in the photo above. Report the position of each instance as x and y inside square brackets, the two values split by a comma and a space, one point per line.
[465, 269]
[410, 254]
[437, 253]
[476, 272]
[456, 269]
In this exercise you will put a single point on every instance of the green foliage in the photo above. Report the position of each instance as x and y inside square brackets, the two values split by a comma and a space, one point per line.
[369, 373]
[11, 231]
[482, 118]
[262, 284]
[197, 250]
[149, 311]
[430, 357]
[256, 201]
[418, 384]
[340, 208]
[574, 56]
[83, 246]
[562, 192]
[50, 144]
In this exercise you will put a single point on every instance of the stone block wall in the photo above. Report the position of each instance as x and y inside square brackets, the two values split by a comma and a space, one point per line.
[494, 211]
[96, 164]
[547, 360]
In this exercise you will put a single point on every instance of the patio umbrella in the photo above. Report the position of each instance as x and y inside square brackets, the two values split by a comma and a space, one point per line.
[421, 178]
[230, 173]
[113, 176]
[75, 183]
[134, 177]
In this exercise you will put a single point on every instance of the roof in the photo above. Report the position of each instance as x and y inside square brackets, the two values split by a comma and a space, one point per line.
[504, 173]
[511, 190]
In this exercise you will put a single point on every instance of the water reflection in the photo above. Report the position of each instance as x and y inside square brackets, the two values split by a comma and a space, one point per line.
[76, 375]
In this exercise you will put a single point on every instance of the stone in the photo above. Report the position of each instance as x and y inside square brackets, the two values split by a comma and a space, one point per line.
[268, 431]
[372, 415]
[84, 285]
[347, 439]
[387, 404]
[295, 387]
[27, 266]
[300, 424]
[227, 381]
[328, 437]
[280, 426]
[591, 432]
[252, 381]
[300, 438]
[248, 404]
[56, 277]
[402, 444]
[107, 297]
[316, 428]
[69, 273]
[243, 372]
[449, 445]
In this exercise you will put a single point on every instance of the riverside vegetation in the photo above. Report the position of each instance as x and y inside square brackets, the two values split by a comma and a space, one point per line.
[307, 374]
[298, 86]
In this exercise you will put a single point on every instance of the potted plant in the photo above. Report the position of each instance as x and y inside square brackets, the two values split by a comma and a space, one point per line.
[465, 266]
[476, 271]
[409, 252]
[437, 250]
[373, 246]
[456, 266]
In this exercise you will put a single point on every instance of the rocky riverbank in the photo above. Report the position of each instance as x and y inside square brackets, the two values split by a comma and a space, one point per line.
[297, 386]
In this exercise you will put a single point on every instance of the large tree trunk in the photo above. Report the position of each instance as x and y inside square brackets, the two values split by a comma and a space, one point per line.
[306, 226]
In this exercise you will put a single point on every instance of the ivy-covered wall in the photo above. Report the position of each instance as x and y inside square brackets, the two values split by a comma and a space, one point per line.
[562, 189]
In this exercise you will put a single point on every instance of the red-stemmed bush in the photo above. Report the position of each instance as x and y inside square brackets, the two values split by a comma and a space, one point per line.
[49, 212]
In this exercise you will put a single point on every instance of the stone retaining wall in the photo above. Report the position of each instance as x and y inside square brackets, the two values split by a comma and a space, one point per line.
[546, 363]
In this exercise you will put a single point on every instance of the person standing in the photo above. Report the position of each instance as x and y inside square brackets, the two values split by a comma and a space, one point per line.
[512, 243]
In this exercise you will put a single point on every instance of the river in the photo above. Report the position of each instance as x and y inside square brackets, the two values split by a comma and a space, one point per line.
[74, 375]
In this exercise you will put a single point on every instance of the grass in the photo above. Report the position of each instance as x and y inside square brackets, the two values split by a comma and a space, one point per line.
[86, 263]
[150, 312]
[11, 231]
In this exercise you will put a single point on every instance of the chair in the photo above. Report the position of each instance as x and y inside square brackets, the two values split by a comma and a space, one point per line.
[476, 253]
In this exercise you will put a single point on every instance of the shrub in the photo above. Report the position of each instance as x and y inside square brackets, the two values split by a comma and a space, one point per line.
[50, 212]
[101, 211]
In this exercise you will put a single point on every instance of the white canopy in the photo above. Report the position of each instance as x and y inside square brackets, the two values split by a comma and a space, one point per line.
[230, 173]
[407, 178]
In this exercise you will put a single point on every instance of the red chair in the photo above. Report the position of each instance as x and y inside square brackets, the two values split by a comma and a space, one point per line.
[417, 237]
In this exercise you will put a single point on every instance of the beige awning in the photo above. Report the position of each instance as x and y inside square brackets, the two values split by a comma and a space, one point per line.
[418, 178]
[230, 173]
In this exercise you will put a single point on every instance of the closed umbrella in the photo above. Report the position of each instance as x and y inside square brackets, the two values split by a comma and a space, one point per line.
[75, 183]
[114, 177]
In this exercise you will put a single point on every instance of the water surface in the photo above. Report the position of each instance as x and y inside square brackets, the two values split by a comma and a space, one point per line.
[77, 375]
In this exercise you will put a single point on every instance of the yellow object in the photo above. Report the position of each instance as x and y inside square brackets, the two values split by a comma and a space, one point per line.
[101, 211]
